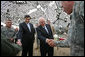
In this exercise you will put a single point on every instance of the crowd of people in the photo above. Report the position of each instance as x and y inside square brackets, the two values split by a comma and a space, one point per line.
[15, 40]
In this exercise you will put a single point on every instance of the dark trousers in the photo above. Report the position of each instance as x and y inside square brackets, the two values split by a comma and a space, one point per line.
[46, 50]
[27, 49]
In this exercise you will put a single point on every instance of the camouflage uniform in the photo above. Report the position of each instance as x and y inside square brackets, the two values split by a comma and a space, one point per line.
[8, 32]
[8, 48]
[76, 31]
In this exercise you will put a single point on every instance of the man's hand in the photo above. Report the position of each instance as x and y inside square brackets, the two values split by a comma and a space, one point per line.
[19, 42]
[50, 42]
[16, 29]
[11, 39]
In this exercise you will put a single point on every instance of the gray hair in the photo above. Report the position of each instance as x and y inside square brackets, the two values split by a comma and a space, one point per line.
[41, 18]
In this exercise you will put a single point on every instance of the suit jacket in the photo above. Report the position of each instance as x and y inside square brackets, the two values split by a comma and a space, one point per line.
[25, 35]
[42, 35]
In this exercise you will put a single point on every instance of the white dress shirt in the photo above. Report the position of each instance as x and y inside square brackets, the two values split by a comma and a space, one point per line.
[29, 27]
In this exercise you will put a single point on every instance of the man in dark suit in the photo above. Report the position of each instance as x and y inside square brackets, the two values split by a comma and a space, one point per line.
[45, 35]
[26, 34]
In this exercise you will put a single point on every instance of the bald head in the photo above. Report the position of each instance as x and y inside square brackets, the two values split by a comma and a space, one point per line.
[68, 6]
[42, 21]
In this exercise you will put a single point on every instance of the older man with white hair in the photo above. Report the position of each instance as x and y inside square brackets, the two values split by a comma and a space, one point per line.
[45, 35]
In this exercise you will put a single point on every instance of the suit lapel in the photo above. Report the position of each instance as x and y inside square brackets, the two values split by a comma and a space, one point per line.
[25, 25]
[30, 27]
[43, 30]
